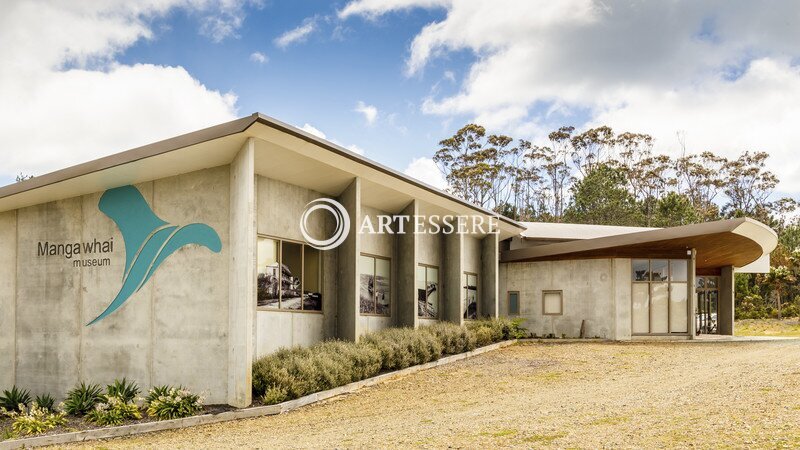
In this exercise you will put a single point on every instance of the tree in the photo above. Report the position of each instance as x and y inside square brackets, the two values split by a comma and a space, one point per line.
[673, 210]
[778, 279]
[22, 177]
[601, 198]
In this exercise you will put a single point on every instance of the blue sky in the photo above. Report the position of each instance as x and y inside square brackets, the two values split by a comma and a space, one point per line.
[318, 81]
[724, 74]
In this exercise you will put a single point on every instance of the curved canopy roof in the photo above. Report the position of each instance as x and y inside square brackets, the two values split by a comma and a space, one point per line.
[733, 242]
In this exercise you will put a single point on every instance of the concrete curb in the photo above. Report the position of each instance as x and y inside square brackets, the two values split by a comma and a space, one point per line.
[245, 413]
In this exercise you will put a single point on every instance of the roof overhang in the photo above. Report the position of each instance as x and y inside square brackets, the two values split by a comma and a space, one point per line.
[733, 242]
[383, 187]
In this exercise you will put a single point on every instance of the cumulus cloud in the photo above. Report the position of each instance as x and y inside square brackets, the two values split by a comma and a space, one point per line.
[66, 100]
[370, 112]
[725, 72]
[425, 170]
[258, 58]
[314, 131]
[298, 34]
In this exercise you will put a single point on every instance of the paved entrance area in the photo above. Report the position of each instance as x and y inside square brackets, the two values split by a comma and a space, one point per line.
[571, 395]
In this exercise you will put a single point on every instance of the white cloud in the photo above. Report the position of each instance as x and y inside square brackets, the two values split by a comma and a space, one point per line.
[299, 34]
[258, 58]
[725, 72]
[314, 131]
[425, 170]
[372, 9]
[370, 112]
[308, 128]
[66, 100]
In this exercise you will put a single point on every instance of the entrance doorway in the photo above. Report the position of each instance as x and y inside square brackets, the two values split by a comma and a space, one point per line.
[707, 305]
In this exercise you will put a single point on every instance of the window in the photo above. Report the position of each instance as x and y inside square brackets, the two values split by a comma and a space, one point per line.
[375, 281]
[470, 295]
[659, 296]
[513, 303]
[427, 291]
[552, 303]
[289, 275]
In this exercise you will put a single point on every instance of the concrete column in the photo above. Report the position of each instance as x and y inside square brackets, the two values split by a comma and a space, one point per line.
[725, 310]
[406, 298]
[452, 301]
[490, 257]
[347, 302]
[8, 294]
[242, 276]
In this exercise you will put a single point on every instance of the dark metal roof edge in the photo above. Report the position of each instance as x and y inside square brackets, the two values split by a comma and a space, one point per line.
[128, 156]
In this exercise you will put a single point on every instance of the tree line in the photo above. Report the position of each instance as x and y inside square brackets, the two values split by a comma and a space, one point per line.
[599, 176]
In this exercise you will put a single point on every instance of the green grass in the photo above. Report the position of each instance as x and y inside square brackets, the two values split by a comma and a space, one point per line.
[500, 433]
[768, 327]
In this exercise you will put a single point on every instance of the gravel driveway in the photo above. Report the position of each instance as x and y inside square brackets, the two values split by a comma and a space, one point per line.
[561, 395]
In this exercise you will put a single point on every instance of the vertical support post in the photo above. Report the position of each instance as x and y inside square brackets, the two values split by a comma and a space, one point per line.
[725, 309]
[242, 276]
[490, 257]
[347, 255]
[407, 250]
[453, 299]
[692, 294]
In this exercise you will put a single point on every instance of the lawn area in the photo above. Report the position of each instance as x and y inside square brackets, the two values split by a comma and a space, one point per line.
[768, 327]
[553, 395]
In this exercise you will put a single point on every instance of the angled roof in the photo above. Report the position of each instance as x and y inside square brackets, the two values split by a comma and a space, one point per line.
[735, 242]
[75, 180]
[572, 231]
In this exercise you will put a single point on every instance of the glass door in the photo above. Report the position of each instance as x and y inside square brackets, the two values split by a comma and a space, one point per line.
[707, 304]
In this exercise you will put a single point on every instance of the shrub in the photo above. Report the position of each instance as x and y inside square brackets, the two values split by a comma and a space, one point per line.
[174, 404]
[124, 390]
[45, 401]
[483, 335]
[155, 392]
[82, 399]
[113, 410]
[35, 420]
[404, 347]
[454, 339]
[291, 373]
[15, 399]
[275, 395]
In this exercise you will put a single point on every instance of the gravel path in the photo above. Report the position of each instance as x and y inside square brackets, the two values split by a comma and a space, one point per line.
[584, 395]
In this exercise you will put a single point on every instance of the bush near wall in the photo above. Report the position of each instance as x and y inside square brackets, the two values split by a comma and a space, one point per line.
[292, 373]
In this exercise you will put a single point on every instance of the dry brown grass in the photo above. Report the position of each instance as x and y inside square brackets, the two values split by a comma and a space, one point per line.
[582, 395]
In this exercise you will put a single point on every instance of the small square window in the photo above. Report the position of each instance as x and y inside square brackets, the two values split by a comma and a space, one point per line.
[513, 303]
[552, 303]
[641, 269]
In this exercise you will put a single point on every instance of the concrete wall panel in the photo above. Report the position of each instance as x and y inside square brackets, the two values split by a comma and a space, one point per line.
[406, 298]
[588, 294]
[48, 313]
[488, 301]
[116, 346]
[190, 329]
[8, 294]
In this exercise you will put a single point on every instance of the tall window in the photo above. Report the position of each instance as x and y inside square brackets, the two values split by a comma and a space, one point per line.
[428, 291]
[513, 303]
[659, 296]
[375, 280]
[470, 295]
[289, 275]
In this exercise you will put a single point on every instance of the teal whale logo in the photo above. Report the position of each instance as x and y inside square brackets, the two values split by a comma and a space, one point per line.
[148, 240]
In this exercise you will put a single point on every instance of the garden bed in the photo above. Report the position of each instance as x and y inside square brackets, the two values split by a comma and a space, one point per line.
[222, 413]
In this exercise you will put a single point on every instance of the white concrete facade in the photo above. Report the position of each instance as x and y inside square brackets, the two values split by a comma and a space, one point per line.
[193, 318]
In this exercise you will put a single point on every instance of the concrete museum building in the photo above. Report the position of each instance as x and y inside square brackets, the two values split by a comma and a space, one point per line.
[182, 261]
